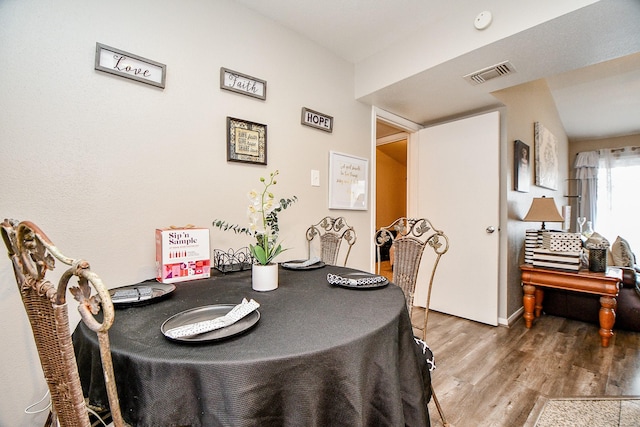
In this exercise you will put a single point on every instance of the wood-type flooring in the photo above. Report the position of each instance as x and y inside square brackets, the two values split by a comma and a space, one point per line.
[493, 376]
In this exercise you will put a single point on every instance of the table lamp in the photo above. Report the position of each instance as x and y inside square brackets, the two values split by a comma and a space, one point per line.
[543, 209]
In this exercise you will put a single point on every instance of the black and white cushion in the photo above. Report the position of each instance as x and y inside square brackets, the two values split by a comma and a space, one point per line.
[427, 353]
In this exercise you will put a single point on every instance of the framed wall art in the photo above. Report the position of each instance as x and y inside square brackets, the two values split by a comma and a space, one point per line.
[546, 157]
[246, 141]
[243, 84]
[348, 181]
[521, 170]
[124, 64]
[316, 120]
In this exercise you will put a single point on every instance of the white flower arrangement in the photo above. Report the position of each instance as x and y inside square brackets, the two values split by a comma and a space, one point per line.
[263, 221]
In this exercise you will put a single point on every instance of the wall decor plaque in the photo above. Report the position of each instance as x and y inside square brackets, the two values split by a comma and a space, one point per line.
[242, 83]
[246, 141]
[124, 64]
[317, 120]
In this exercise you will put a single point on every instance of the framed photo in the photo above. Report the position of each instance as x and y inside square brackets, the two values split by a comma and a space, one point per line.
[521, 170]
[243, 84]
[348, 181]
[246, 141]
[124, 64]
[546, 157]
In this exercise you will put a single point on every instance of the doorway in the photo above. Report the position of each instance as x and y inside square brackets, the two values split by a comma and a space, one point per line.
[391, 182]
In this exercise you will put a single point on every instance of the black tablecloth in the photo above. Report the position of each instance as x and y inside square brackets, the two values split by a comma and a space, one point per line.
[320, 355]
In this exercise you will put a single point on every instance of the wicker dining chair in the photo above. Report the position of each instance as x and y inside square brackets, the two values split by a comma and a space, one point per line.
[32, 255]
[410, 237]
[331, 231]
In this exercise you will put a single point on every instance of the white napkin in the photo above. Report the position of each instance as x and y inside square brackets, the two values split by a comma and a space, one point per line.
[303, 264]
[364, 280]
[238, 312]
[132, 294]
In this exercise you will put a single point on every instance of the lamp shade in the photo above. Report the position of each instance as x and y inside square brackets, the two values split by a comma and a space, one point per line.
[543, 209]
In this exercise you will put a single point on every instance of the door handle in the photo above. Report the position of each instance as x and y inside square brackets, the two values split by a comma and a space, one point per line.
[490, 229]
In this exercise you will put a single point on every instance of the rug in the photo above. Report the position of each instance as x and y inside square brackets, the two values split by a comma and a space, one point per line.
[589, 411]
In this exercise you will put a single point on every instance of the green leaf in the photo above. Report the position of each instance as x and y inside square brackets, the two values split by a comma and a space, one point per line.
[259, 254]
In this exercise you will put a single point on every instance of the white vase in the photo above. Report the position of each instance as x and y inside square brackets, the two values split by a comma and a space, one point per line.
[264, 277]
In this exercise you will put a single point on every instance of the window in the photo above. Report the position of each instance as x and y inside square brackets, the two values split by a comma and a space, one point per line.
[617, 195]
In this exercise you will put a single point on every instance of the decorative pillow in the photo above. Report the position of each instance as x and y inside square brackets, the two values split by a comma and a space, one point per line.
[596, 240]
[427, 353]
[622, 255]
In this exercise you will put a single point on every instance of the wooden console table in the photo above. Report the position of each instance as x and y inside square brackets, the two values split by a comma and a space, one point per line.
[604, 284]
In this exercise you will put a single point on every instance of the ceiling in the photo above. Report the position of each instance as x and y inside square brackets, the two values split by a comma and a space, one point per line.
[590, 58]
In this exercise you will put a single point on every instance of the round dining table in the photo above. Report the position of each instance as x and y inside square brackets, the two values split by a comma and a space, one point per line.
[319, 355]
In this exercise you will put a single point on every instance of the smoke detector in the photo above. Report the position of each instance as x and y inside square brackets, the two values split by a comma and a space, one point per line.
[483, 20]
[489, 73]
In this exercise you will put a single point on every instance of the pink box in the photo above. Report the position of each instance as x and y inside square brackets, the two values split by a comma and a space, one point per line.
[182, 254]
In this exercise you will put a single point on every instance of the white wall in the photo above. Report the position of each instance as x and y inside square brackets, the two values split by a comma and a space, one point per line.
[99, 161]
[524, 105]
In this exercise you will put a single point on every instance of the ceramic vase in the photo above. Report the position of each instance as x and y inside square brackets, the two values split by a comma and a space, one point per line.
[264, 277]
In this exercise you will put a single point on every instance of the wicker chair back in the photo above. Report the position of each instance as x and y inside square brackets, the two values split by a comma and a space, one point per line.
[410, 237]
[32, 255]
[331, 232]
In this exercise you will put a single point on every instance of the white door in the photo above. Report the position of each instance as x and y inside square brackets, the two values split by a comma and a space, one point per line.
[457, 188]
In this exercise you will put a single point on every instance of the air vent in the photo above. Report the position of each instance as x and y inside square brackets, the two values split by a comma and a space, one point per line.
[486, 74]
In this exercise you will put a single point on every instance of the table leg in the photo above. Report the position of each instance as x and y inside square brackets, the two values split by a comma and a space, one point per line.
[529, 302]
[607, 317]
[539, 298]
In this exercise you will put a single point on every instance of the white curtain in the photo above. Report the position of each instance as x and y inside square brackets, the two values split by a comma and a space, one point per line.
[586, 172]
[617, 195]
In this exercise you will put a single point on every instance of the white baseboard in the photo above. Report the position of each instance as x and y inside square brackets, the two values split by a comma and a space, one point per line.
[511, 320]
